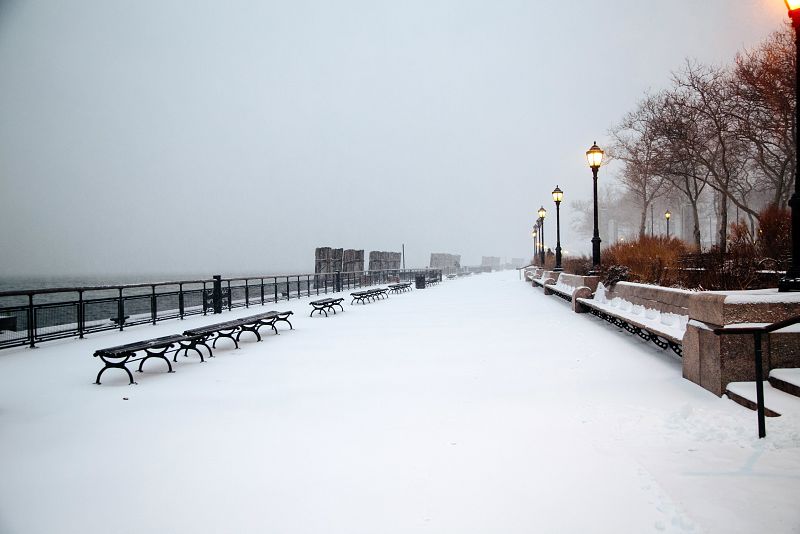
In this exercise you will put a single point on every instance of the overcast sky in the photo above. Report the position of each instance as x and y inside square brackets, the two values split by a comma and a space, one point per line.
[234, 137]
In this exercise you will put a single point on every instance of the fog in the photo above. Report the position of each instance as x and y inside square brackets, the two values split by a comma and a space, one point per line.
[235, 137]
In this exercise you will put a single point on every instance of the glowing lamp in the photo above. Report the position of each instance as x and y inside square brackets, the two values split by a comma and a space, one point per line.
[595, 156]
[542, 212]
[558, 194]
[667, 215]
[792, 5]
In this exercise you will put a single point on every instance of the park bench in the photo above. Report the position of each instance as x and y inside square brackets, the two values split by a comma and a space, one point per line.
[234, 328]
[324, 305]
[368, 294]
[399, 288]
[117, 357]
[653, 313]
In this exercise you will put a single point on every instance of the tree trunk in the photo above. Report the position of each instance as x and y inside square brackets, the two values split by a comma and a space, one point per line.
[723, 222]
[696, 220]
[643, 220]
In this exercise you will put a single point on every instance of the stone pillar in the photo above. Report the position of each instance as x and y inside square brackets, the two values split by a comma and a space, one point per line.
[714, 361]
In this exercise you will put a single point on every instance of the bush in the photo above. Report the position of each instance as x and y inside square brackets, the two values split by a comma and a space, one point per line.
[650, 260]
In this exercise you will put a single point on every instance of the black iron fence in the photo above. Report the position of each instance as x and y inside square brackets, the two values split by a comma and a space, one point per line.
[33, 316]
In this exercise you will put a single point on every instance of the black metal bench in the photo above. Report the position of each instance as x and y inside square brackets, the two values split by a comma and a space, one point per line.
[369, 294]
[324, 305]
[234, 329]
[117, 357]
[659, 337]
[399, 288]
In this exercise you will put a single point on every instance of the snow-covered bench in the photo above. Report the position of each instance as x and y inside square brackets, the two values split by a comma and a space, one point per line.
[657, 314]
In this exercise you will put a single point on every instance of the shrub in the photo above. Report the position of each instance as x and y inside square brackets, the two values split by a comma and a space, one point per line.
[650, 260]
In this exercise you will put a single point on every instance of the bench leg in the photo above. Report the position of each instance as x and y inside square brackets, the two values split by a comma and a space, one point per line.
[243, 329]
[287, 321]
[114, 366]
[228, 335]
[155, 355]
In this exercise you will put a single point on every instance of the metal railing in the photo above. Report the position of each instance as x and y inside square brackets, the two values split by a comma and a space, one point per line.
[32, 316]
[757, 332]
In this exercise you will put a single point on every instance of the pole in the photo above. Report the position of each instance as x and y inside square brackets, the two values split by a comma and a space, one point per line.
[652, 218]
[762, 430]
[558, 237]
[404, 256]
[541, 233]
[667, 228]
[596, 235]
[791, 281]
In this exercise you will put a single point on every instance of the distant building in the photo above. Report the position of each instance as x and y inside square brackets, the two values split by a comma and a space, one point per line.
[448, 263]
[493, 262]
[384, 261]
[327, 260]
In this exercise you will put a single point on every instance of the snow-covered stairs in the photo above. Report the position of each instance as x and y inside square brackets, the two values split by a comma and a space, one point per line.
[781, 393]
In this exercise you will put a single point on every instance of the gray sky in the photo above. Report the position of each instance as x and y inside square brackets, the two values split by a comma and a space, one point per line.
[199, 137]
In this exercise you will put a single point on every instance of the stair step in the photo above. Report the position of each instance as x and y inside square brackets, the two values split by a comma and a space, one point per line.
[787, 380]
[776, 402]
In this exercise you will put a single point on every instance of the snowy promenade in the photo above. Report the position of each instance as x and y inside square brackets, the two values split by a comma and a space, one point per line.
[478, 406]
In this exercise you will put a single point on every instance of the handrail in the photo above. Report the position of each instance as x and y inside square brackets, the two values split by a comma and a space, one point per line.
[75, 289]
[757, 332]
[79, 310]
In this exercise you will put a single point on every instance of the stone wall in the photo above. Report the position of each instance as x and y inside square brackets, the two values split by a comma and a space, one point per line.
[714, 361]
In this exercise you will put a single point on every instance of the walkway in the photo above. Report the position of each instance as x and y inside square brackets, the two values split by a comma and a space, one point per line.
[478, 406]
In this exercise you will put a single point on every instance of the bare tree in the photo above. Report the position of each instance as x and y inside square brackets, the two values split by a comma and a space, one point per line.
[634, 143]
[764, 111]
[705, 94]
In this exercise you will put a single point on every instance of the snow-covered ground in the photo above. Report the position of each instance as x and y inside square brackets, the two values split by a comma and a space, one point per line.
[478, 406]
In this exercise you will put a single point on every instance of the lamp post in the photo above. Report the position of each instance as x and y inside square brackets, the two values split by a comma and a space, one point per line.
[595, 157]
[542, 215]
[558, 195]
[667, 216]
[534, 235]
[791, 281]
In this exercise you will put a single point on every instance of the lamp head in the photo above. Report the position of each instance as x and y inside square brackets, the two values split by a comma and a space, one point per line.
[558, 195]
[542, 213]
[667, 215]
[595, 156]
[792, 5]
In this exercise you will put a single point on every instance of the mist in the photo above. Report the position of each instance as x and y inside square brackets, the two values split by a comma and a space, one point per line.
[193, 137]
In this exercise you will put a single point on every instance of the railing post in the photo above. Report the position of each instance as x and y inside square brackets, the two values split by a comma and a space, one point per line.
[246, 294]
[153, 304]
[337, 281]
[230, 296]
[262, 291]
[120, 311]
[275, 287]
[31, 321]
[205, 299]
[216, 296]
[81, 315]
[181, 306]
[762, 431]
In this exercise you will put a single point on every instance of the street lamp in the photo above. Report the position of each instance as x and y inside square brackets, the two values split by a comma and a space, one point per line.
[558, 196]
[595, 157]
[791, 281]
[542, 215]
[535, 235]
[667, 216]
